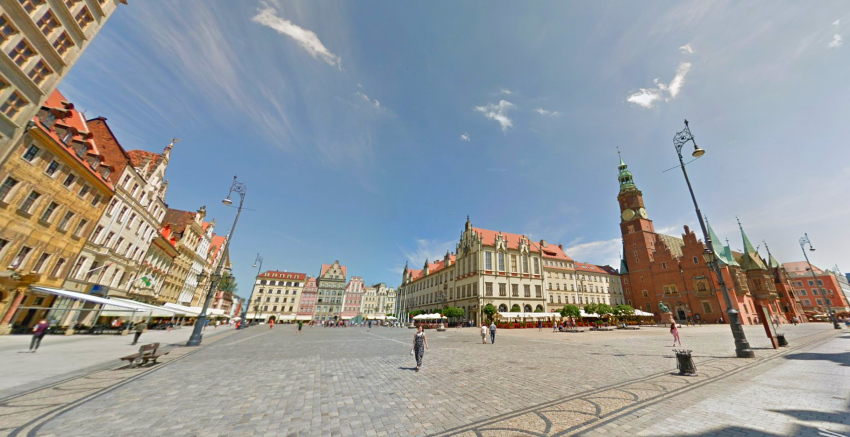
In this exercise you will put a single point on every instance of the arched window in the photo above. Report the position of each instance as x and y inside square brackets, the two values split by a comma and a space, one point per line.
[539, 308]
[701, 286]
[503, 308]
[527, 308]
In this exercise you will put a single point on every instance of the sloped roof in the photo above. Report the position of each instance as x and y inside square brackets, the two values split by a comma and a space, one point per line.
[326, 267]
[143, 160]
[108, 145]
[590, 268]
[488, 238]
[673, 243]
[799, 268]
[178, 219]
[277, 274]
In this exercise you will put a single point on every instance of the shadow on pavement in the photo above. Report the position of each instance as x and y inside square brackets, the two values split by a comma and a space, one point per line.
[842, 358]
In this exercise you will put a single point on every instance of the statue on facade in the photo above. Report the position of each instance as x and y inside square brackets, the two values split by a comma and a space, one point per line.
[663, 308]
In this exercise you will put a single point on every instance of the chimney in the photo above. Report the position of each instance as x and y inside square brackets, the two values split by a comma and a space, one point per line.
[543, 243]
[560, 246]
[687, 230]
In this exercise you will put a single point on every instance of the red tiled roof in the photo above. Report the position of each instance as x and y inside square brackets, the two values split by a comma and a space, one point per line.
[554, 252]
[144, 160]
[488, 238]
[178, 219]
[216, 244]
[109, 147]
[276, 274]
[610, 270]
[205, 225]
[325, 268]
[72, 119]
[799, 267]
[589, 268]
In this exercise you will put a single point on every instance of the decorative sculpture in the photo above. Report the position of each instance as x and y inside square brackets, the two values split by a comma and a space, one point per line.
[663, 308]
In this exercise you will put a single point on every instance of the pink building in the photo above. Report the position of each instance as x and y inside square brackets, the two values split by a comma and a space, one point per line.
[352, 298]
[307, 305]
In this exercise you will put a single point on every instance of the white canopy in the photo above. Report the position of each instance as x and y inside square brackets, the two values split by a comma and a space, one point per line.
[154, 310]
[376, 317]
[433, 316]
[509, 315]
[188, 311]
[391, 318]
[584, 314]
[128, 308]
[347, 317]
[643, 313]
[286, 317]
[303, 317]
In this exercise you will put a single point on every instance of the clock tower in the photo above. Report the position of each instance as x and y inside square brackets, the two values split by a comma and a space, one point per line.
[635, 226]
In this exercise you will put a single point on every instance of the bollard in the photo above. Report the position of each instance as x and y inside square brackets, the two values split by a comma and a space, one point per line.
[685, 363]
[781, 339]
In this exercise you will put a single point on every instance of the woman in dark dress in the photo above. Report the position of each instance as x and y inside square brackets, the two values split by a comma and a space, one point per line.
[420, 344]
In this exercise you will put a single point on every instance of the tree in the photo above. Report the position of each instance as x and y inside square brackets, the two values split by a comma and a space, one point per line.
[515, 308]
[227, 283]
[538, 310]
[603, 309]
[415, 313]
[570, 311]
[621, 311]
[489, 310]
[590, 308]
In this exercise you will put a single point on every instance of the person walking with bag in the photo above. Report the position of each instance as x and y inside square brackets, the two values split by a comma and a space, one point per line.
[139, 328]
[38, 332]
[420, 344]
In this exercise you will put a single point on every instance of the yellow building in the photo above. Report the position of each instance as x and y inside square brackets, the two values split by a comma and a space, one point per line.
[53, 189]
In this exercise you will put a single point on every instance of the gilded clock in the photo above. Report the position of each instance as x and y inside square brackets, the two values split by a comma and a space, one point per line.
[628, 215]
[642, 213]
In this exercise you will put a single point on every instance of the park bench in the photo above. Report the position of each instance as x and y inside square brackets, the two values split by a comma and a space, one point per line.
[604, 328]
[148, 352]
[632, 327]
[572, 330]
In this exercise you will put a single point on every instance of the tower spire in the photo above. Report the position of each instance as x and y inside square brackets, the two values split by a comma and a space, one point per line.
[627, 182]
[751, 259]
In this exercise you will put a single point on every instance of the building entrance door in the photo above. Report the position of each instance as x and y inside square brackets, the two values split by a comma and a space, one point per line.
[681, 314]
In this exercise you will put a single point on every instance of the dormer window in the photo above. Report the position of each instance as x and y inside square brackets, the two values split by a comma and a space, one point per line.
[105, 172]
[69, 134]
[48, 119]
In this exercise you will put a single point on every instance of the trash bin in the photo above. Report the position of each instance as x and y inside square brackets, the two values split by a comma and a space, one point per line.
[685, 363]
[781, 339]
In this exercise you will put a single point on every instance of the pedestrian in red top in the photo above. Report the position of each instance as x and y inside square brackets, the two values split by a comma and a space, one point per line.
[271, 323]
[675, 331]
[38, 333]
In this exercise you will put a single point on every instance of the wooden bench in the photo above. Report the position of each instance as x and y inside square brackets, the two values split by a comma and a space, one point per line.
[604, 328]
[572, 330]
[148, 352]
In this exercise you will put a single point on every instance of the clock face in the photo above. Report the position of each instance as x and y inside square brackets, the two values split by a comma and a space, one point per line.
[628, 215]
[642, 213]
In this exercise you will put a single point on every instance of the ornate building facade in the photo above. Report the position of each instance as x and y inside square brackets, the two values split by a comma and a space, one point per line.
[353, 298]
[275, 294]
[307, 304]
[331, 289]
[186, 229]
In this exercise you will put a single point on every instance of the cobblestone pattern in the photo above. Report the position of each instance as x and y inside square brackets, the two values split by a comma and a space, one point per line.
[347, 382]
[25, 413]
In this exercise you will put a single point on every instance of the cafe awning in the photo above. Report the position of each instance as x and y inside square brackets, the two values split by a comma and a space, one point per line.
[121, 306]
[303, 317]
[187, 311]
[153, 310]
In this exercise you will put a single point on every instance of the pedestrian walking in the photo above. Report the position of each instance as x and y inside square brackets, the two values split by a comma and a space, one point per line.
[38, 332]
[483, 333]
[492, 332]
[369, 324]
[217, 322]
[795, 320]
[420, 344]
[675, 331]
[300, 325]
[271, 323]
[139, 328]
[170, 326]
[539, 326]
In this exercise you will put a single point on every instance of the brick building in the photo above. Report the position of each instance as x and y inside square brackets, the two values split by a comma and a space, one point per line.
[814, 298]
[662, 268]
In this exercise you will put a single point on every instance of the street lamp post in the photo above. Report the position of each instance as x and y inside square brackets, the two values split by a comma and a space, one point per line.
[804, 240]
[240, 189]
[742, 346]
[257, 261]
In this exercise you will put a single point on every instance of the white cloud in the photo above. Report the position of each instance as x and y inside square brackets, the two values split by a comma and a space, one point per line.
[498, 112]
[430, 250]
[836, 22]
[686, 48]
[372, 102]
[504, 91]
[464, 136]
[602, 252]
[305, 38]
[544, 112]
[836, 42]
[647, 97]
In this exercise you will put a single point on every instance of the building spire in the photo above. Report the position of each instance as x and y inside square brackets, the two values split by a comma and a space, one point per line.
[627, 182]
[751, 259]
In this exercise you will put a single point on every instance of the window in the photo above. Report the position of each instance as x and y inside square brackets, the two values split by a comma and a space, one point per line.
[21, 257]
[488, 288]
[70, 3]
[696, 260]
[513, 264]
[29, 201]
[811, 282]
[31, 5]
[83, 191]
[51, 168]
[645, 293]
[96, 200]
[47, 23]
[527, 290]
[6, 28]
[515, 290]
[48, 212]
[819, 302]
[108, 238]
[58, 267]
[31, 153]
[807, 302]
[21, 53]
[815, 291]
[538, 291]
[13, 104]
[69, 180]
[97, 231]
[39, 72]
[84, 17]
[63, 43]
[63, 224]
[501, 262]
[121, 215]
[7, 186]
[42, 260]
[502, 290]
[80, 227]
[663, 265]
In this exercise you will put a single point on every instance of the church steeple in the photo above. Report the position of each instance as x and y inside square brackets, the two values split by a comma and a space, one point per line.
[751, 259]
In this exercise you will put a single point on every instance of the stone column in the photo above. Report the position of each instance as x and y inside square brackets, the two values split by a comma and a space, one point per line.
[5, 323]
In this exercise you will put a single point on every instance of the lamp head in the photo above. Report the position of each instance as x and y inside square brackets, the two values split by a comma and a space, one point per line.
[227, 201]
[255, 265]
[811, 249]
[697, 151]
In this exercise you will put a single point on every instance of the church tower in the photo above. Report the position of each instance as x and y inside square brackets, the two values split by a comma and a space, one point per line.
[635, 226]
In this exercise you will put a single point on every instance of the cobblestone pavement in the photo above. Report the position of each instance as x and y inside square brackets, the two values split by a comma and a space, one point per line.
[349, 382]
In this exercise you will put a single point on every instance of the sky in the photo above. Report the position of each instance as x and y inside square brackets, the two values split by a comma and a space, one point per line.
[366, 132]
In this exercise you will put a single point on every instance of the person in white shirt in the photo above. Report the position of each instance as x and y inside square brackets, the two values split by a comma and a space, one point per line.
[484, 333]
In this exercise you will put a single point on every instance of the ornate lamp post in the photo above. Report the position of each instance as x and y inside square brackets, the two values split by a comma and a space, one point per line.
[257, 261]
[241, 190]
[804, 240]
[742, 346]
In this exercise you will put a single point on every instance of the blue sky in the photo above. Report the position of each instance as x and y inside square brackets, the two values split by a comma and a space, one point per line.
[367, 131]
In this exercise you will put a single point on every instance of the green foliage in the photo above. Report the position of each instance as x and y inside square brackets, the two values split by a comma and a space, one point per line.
[603, 309]
[570, 311]
[515, 309]
[415, 313]
[623, 310]
[227, 283]
[489, 310]
[590, 308]
[453, 312]
[538, 310]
